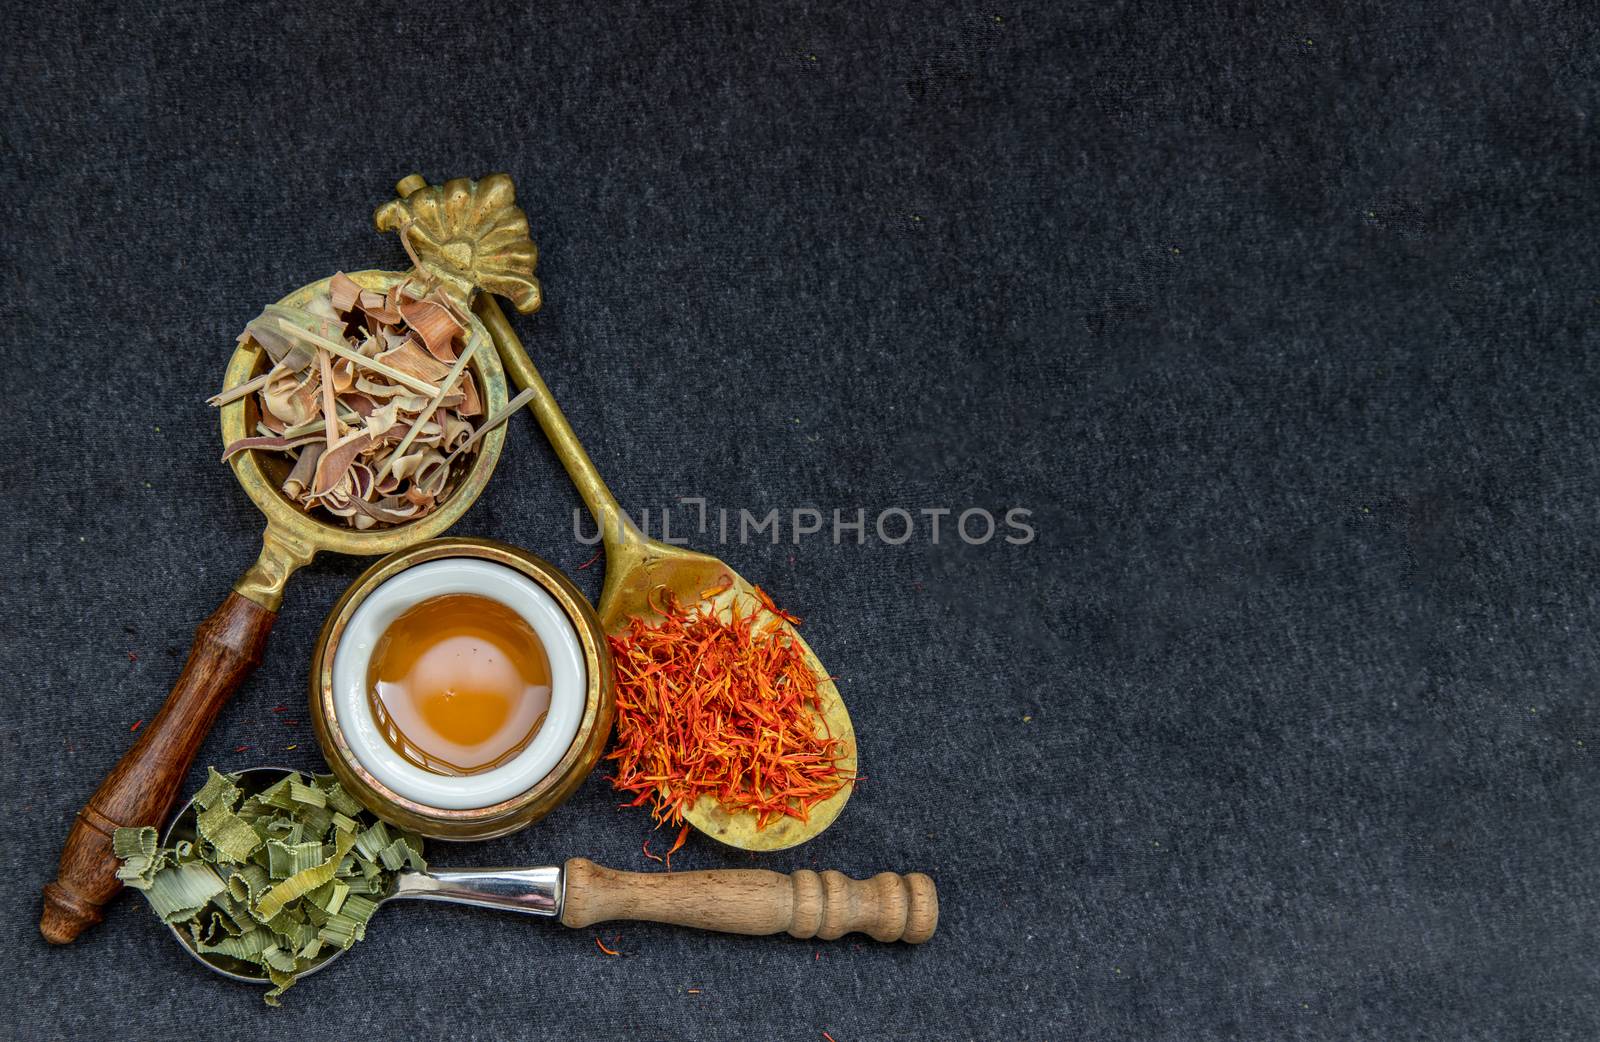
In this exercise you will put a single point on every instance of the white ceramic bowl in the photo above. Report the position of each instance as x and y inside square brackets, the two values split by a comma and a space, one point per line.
[569, 682]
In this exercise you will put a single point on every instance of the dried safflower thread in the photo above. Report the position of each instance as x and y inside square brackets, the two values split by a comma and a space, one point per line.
[715, 703]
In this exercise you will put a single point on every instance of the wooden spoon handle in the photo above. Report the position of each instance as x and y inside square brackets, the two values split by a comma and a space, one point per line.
[142, 786]
[887, 907]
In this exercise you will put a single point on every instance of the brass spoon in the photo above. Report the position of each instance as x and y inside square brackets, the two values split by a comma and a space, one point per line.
[636, 566]
[827, 905]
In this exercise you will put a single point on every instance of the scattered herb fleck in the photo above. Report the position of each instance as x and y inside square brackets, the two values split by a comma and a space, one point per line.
[677, 844]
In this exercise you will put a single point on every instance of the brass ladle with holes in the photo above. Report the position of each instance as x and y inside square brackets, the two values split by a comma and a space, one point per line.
[477, 239]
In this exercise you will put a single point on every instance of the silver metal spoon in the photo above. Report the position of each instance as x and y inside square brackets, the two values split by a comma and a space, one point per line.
[887, 907]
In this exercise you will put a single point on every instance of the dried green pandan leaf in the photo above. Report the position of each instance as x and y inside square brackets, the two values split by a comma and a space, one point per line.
[125, 843]
[213, 925]
[285, 859]
[341, 931]
[338, 799]
[341, 821]
[414, 859]
[277, 959]
[247, 946]
[248, 882]
[315, 819]
[232, 837]
[394, 855]
[299, 792]
[140, 861]
[367, 885]
[219, 790]
[372, 842]
[281, 982]
[180, 891]
[329, 897]
[278, 794]
[303, 881]
[359, 908]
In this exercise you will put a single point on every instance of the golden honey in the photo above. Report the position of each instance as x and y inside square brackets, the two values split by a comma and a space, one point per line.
[459, 684]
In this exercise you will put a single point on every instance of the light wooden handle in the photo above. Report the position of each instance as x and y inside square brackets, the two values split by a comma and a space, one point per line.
[827, 905]
[142, 786]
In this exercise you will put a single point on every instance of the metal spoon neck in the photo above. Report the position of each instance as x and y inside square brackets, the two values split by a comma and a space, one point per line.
[531, 891]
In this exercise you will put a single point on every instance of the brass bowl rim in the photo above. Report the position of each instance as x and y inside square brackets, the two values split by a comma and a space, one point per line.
[288, 517]
[598, 695]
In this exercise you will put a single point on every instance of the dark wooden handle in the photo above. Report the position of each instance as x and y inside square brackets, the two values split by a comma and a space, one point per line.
[142, 786]
[887, 907]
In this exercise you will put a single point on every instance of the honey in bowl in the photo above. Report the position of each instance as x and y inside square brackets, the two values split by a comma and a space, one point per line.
[459, 684]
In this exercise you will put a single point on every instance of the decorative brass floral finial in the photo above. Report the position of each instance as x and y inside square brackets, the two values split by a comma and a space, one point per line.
[466, 235]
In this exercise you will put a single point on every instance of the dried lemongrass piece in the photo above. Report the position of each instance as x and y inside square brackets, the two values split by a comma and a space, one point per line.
[276, 443]
[305, 469]
[432, 407]
[330, 410]
[435, 326]
[377, 390]
[336, 461]
[432, 473]
[344, 374]
[409, 358]
[266, 330]
[471, 403]
[510, 409]
[249, 387]
[456, 431]
[420, 386]
[387, 510]
[343, 291]
[381, 315]
[382, 418]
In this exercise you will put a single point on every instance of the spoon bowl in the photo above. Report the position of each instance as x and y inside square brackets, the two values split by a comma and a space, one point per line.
[182, 828]
[637, 570]
[530, 891]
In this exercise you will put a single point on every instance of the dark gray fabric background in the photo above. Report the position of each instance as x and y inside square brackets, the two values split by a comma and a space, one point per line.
[1279, 322]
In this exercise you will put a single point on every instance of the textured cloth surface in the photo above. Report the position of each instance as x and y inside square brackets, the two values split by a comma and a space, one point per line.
[1284, 724]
